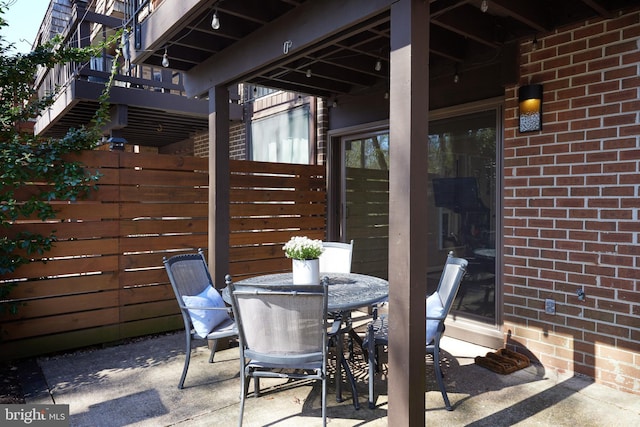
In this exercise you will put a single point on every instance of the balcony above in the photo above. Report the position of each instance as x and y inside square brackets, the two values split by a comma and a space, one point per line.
[148, 112]
[148, 104]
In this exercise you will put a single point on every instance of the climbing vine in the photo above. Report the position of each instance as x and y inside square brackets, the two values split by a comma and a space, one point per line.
[34, 170]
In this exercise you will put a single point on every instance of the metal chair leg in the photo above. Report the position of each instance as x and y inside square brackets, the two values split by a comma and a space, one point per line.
[440, 380]
[372, 362]
[187, 358]
[214, 346]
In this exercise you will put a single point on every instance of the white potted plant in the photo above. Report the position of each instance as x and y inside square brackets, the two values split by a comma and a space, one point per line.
[304, 253]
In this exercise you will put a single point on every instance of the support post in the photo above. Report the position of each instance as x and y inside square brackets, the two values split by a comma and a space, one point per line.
[219, 184]
[408, 130]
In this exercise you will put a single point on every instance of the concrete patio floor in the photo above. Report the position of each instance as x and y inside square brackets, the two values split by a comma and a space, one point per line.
[135, 384]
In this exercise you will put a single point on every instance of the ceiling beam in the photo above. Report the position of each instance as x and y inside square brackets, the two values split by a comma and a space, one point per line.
[447, 45]
[469, 24]
[443, 6]
[526, 12]
[599, 7]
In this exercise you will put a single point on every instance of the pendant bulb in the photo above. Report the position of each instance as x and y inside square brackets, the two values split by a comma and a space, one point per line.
[378, 66]
[484, 6]
[215, 21]
[165, 59]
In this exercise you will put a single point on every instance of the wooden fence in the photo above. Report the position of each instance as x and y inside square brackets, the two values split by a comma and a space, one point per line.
[270, 203]
[104, 280]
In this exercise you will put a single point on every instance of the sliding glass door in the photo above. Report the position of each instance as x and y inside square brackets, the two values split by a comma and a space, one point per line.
[463, 198]
[365, 196]
[462, 189]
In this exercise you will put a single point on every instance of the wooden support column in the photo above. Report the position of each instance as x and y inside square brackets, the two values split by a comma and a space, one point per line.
[218, 184]
[408, 118]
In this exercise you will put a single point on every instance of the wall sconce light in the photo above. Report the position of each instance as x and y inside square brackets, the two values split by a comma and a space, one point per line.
[530, 108]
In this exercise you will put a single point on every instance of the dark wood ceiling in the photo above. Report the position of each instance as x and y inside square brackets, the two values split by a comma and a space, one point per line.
[463, 37]
[148, 118]
[147, 127]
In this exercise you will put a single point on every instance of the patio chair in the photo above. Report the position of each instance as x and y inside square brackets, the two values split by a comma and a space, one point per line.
[438, 306]
[204, 313]
[283, 334]
[336, 257]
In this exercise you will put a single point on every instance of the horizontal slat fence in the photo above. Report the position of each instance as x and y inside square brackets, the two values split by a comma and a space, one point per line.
[270, 203]
[104, 280]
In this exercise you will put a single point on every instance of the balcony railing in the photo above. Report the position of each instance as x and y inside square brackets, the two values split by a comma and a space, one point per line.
[85, 27]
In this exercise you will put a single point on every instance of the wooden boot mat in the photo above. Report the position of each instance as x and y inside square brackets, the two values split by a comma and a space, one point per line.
[503, 361]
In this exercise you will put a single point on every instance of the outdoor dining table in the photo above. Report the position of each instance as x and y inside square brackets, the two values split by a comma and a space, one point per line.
[346, 292]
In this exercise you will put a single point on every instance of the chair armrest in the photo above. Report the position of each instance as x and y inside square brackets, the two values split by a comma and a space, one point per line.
[187, 309]
[190, 307]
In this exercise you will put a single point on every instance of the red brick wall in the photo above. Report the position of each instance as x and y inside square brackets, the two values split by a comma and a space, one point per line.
[322, 124]
[237, 141]
[237, 146]
[572, 204]
[201, 144]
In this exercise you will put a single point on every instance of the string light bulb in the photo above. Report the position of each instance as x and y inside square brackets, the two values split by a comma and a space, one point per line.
[215, 21]
[484, 6]
[378, 65]
[124, 44]
[308, 74]
[534, 43]
[165, 59]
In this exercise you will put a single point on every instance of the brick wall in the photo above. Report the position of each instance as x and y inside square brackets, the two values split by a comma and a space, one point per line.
[237, 145]
[322, 129]
[238, 141]
[201, 144]
[572, 204]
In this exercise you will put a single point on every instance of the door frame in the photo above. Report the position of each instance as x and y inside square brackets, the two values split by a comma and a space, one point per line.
[335, 172]
[480, 333]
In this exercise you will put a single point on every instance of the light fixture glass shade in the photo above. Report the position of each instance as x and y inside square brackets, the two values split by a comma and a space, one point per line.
[530, 108]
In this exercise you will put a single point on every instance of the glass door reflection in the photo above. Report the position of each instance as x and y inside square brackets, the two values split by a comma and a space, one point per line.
[462, 175]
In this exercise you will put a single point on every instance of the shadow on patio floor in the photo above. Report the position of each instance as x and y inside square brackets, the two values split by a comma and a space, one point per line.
[136, 384]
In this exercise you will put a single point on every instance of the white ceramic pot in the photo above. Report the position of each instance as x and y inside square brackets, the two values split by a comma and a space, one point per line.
[306, 271]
